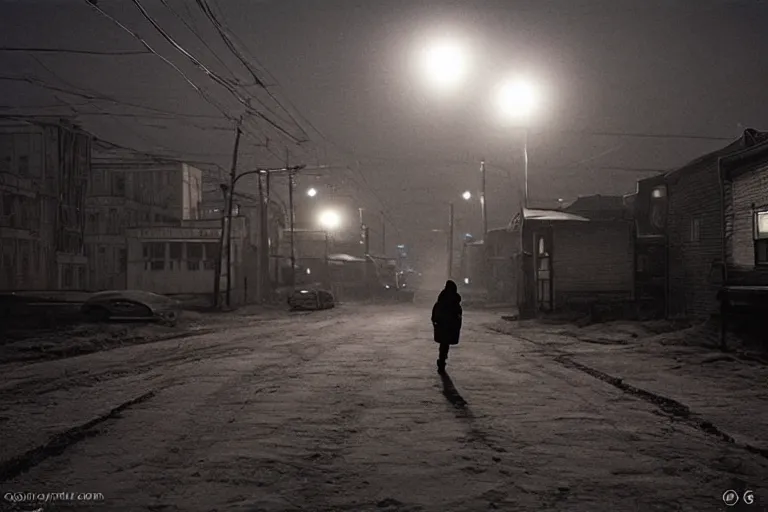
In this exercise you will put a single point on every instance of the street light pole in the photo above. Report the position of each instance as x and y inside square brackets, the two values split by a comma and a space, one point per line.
[293, 220]
[383, 235]
[450, 240]
[482, 200]
[235, 179]
[525, 160]
[327, 262]
[263, 239]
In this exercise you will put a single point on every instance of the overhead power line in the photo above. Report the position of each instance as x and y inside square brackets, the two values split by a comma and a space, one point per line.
[165, 59]
[206, 97]
[217, 25]
[197, 35]
[73, 51]
[215, 76]
[96, 97]
[643, 135]
[220, 28]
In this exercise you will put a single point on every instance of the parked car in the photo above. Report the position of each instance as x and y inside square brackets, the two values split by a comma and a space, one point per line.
[311, 299]
[131, 305]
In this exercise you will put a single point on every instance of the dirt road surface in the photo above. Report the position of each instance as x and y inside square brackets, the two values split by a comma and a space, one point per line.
[344, 410]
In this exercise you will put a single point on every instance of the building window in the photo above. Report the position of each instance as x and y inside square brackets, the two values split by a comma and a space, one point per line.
[695, 234]
[113, 222]
[66, 278]
[761, 238]
[194, 255]
[211, 255]
[176, 255]
[154, 255]
[642, 264]
[23, 166]
[122, 262]
[118, 185]
[8, 217]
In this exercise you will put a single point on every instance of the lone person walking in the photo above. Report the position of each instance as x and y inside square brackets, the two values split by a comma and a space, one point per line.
[446, 320]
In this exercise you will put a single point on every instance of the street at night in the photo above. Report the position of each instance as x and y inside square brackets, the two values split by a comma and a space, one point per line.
[343, 410]
[396, 256]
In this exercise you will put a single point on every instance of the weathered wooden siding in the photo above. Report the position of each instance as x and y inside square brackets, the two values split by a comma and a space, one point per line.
[592, 257]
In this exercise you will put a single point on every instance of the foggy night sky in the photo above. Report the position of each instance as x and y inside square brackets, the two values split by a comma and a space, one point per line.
[651, 66]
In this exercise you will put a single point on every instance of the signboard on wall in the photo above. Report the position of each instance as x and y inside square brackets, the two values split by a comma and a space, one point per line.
[175, 232]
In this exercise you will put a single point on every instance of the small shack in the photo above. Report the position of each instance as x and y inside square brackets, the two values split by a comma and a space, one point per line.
[575, 257]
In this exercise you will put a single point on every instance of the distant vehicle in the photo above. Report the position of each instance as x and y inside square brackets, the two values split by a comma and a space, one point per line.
[310, 300]
[392, 292]
[131, 305]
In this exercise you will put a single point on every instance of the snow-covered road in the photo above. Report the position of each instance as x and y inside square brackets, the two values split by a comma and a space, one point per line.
[343, 410]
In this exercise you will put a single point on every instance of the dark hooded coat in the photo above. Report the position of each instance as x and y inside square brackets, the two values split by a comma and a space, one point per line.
[447, 315]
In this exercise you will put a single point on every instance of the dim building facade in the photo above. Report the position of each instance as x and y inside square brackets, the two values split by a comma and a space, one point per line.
[128, 191]
[44, 170]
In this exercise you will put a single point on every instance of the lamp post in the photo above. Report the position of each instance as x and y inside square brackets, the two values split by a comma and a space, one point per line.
[233, 181]
[517, 99]
[445, 63]
[483, 201]
[450, 240]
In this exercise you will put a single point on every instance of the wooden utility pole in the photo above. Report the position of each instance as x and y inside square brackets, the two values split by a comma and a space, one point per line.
[293, 221]
[226, 216]
[450, 241]
[232, 178]
[383, 235]
[263, 238]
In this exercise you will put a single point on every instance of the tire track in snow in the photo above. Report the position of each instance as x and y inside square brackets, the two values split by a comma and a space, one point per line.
[59, 443]
[147, 362]
[671, 407]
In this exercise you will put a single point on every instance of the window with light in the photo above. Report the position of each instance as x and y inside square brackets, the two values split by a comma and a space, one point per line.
[761, 238]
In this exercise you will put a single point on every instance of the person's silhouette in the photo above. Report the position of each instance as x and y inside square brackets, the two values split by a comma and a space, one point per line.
[446, 320]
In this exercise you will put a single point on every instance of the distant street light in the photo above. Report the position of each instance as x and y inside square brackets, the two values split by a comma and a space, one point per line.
[445, 63]
[329, 219]
[467, 195]
[312, 192]
[517, 99]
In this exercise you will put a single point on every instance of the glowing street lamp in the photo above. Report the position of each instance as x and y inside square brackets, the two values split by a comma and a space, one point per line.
[329, 219]
[517, 99]
[467, 195]
[445, 63]
[312, 192]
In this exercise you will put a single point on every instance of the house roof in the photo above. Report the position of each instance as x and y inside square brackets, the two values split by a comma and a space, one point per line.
[597, 206]
[749, 138]
[552, 215]
[344, 257]
[737, 163]
[595, 203]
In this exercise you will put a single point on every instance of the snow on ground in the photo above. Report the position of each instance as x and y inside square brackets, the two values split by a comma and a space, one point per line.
[85, 338]
[343, 410]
